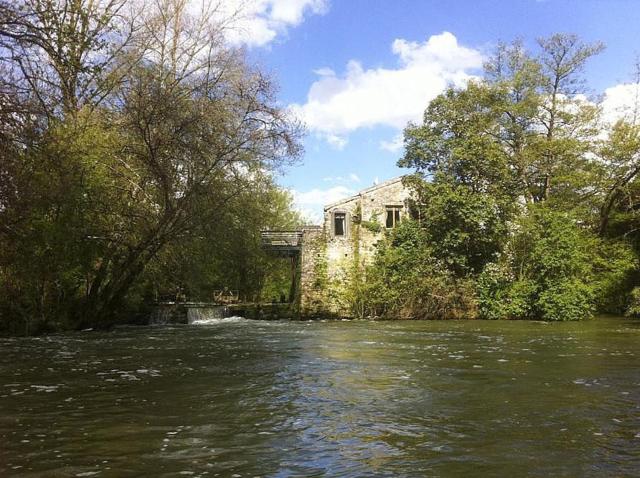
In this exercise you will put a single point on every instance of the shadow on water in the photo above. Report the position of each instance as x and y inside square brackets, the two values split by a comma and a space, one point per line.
[245, 398]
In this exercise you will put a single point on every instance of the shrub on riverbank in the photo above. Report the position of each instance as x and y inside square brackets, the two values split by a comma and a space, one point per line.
[550, 268]
[525, 191]
[408, 281]
[553, 269]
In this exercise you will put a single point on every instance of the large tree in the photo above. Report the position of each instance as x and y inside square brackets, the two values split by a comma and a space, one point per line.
[145, 129]
[524, 149]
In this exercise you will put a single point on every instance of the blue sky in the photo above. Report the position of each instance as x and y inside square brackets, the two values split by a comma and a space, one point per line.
[356, 71]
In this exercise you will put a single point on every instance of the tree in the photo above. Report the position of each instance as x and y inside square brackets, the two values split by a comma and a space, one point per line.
[227, 251]
[566, 119]
[457, 139]
[136, 141]
[489, 156]
[514, 78]
[466, 228]
[552, 269]
[620, 154]
[66, 53]
[198, 124]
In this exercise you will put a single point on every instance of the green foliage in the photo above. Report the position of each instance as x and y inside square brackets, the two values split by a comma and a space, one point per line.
[615, 270]
[53, 232]
[133, 174]
[454, 142]
[501, 297]
[552, 269]
[566, 300]
[407, 281]
[373, 224]
[518, 197]
[633, 309]
[465, 228]
[227, 252]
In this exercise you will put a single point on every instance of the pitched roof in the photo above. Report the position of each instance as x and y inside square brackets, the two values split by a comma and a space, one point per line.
[383, 184]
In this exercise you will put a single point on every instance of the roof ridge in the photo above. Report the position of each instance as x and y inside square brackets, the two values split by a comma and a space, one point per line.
[364, 191]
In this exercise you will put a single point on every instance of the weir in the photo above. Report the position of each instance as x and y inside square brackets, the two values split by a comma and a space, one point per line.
[167, 313]
[187, 312]
[206, 312]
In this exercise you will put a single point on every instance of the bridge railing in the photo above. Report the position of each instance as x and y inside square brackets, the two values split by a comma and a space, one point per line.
[281, 238]
[226, 296]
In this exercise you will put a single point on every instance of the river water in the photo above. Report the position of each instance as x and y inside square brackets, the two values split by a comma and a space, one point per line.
[239, 398]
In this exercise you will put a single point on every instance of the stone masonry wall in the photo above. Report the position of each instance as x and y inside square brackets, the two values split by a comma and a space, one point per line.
[328, 262]
[358, 246]
[312, 271]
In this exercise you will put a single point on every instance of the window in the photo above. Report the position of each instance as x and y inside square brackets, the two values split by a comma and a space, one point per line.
[339, 223]
[393, 216]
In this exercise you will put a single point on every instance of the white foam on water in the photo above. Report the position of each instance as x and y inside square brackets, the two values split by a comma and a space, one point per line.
[227, 320]
[45, 388]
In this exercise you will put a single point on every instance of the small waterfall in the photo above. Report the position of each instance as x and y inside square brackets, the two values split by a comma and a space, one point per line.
[204, 314]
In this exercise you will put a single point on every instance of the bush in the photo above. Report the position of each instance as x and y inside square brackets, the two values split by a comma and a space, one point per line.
[407, 281]
[566, 300]
[633, 309]
[552, 269]
[615, 268]
[501, 297]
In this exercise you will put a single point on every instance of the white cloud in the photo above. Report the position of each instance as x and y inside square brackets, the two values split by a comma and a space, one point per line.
[311, 203]
[324, 72]
[621, 101]
[259, 22]
[441, 50]
[322, 196]
[339, 104]
[336, 141]
[291, 12]
[395, 145]
[350, 178]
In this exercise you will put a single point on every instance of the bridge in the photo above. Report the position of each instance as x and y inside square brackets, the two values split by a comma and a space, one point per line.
[285, 244]
[282, 243]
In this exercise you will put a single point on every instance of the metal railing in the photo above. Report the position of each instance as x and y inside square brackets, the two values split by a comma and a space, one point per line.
[226, 296]
[281, 238]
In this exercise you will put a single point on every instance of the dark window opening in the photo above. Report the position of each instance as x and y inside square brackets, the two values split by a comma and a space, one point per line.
[339, 219]
[393, 216]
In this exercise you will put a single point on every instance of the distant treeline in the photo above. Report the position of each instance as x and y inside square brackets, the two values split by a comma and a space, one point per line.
[526, 199]
[136, 157]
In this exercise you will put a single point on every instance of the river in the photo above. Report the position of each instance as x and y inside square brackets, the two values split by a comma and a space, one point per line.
[239, 398]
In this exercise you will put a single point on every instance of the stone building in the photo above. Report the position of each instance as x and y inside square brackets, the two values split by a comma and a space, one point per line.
[332, 253]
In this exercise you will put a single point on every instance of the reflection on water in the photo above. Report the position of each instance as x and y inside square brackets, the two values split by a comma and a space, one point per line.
[244, 398]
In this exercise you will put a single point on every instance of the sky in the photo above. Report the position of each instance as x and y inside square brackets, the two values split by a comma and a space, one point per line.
[356, 71]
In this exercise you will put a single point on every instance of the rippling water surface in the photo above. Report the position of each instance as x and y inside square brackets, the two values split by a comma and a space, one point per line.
[243, 398]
